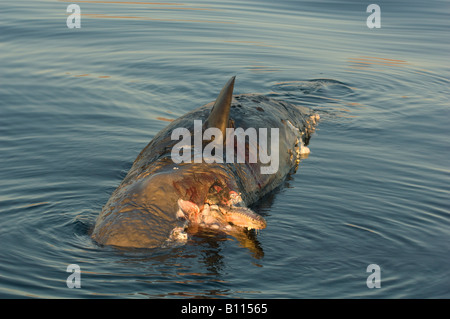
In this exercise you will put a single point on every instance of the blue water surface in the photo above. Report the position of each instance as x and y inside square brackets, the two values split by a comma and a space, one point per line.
[78, 105]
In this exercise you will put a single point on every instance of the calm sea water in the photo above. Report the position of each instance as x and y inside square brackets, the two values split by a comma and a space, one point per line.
[78, 105]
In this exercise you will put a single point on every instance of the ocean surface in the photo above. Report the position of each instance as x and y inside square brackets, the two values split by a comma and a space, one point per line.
[77, 105]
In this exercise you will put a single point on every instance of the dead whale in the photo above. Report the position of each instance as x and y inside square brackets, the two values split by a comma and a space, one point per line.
[163, 201]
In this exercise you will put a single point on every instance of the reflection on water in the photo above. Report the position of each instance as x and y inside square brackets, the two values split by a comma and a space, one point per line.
[129, 2]
[107, 16]
[159, 8]
[164, 119]
[365, 61]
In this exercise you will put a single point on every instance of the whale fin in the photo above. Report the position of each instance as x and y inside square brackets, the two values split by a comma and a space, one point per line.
[220, 112]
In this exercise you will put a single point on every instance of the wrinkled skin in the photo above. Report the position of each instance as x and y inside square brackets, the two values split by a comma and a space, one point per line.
[160, 203]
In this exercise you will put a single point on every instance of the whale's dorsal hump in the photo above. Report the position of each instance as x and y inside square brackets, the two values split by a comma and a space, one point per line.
[220, 113]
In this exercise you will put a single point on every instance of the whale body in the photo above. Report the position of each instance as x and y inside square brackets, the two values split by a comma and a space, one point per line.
[162, 202]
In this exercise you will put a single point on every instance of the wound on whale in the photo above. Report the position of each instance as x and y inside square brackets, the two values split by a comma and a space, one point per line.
[162, 202]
